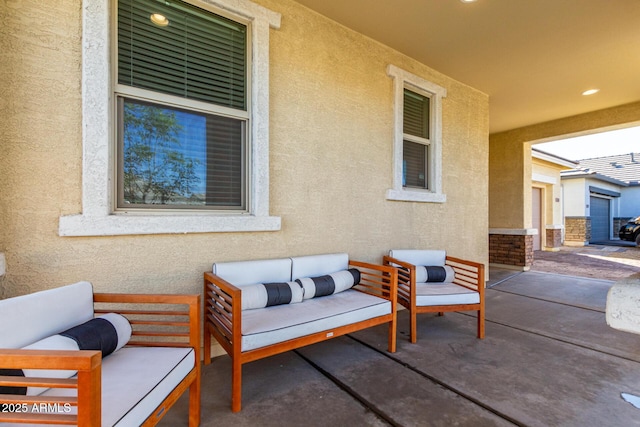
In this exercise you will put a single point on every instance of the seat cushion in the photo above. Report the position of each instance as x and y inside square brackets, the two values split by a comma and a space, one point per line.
[135, 380]
[271, 325]
[428, 294]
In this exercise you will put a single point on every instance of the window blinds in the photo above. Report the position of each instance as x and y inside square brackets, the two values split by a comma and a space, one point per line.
[198, 55]
[416, 114]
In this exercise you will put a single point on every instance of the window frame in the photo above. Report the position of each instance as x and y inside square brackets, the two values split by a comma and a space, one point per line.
[433, 193]
[98, 215]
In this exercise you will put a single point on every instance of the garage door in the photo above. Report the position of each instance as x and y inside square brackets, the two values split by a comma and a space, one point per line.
[599, 219]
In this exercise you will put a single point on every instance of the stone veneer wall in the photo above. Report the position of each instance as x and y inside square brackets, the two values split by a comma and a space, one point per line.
[554, 238]
[617, 223]
[577, 229]
[509, 249]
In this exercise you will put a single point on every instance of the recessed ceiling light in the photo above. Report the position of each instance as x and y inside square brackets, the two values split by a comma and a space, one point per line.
[468, 1]
[159, 19]
[590, 92]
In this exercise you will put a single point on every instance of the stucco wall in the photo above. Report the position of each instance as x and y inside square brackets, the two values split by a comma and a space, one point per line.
[549, 175]
[330, 153]
[576, 197]
[630, 202]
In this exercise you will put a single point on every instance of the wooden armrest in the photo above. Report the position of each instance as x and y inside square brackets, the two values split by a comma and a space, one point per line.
[166, 320]
[377, 280]
[79, 360]
[87, 363]
[469, 274]
[223, 313]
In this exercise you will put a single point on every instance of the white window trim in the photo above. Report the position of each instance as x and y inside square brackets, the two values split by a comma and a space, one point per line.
[403, 79]
[97, 217]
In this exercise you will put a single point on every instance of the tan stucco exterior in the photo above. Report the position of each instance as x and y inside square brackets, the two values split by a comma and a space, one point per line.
[331, 136]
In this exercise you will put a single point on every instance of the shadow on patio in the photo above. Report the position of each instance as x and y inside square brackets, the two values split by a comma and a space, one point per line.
[548, 359]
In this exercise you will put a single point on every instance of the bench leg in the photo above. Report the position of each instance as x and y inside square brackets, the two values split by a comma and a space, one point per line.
[194, 402]
[412, 327]
[236, 385]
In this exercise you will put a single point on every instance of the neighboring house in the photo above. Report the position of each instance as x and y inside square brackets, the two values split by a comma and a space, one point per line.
[601, 194]
[547, 199]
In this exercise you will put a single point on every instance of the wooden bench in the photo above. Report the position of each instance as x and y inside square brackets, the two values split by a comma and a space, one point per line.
[252, 334]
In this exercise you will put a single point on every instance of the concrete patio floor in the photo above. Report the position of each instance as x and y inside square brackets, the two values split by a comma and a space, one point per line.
[548, 359]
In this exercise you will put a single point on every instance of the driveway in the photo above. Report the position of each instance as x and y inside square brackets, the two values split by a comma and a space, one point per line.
[605, 262]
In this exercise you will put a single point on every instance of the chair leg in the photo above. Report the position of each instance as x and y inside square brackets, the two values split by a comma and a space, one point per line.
[481, 324]
[236, 385]
[207, 346]
[413, 333]
[392, 336]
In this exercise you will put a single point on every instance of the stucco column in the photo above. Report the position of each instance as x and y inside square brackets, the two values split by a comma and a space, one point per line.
[510, 234]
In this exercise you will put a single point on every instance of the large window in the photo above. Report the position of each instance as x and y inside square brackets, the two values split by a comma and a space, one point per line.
[417, 149]
[181, 98]
[194, 193]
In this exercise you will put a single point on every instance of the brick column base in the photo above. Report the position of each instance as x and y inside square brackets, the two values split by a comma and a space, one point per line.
[554, 238]
[511, 250]
[577, 230]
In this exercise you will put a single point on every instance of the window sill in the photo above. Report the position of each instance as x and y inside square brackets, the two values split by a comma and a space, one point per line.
[118, 225]
[416, 196]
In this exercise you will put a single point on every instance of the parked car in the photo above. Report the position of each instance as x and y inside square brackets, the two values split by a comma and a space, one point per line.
[631, 231]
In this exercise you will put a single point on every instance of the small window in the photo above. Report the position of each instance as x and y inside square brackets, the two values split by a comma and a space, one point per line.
[181, 108]
[417, 146]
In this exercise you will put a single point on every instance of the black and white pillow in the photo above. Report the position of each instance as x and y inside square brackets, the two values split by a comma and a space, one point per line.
[269, 294]
[107, 333]
[329, 284]
[434, 274]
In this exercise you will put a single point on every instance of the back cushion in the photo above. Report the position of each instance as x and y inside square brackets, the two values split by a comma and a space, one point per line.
[241, 273]
[318, 265]
[30, 318]
[419, 256]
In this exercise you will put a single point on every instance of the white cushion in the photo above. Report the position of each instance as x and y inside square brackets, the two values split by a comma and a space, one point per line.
[428, 294]
[272, 325]
[318, 265]
[241, 273]
[420, 256]
[30, 318]
[135, 380]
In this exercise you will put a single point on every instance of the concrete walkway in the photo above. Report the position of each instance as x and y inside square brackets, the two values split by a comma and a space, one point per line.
[548, 359]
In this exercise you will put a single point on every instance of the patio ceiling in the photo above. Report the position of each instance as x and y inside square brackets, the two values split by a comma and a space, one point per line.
[533, 58]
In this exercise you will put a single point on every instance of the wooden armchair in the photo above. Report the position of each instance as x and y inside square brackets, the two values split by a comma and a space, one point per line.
[461, 287]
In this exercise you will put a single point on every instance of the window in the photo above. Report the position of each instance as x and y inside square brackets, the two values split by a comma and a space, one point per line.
[417, 153]
[229, 126]
[192, 156]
